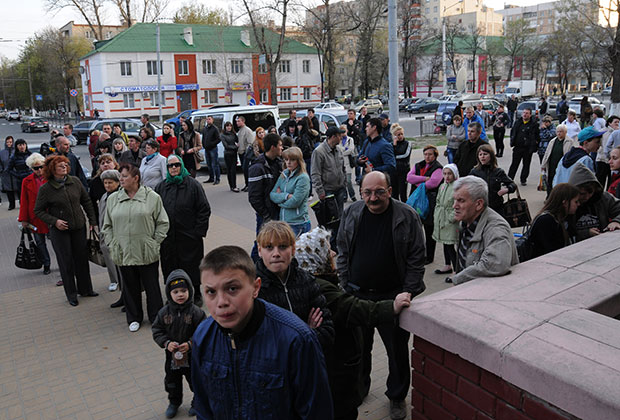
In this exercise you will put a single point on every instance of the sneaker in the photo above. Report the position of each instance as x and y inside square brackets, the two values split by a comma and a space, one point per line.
[59, 283]
[235, 189]
[523, 183]
[112, 287]
[171, 411]
[46, 270]
[398, 410]
[133, 327]
[245, 189]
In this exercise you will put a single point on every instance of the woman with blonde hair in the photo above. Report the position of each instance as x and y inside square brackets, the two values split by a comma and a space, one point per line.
[292, 190]
[402, 152]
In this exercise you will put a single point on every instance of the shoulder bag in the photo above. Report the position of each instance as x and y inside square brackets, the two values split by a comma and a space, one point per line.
[26, 257]
[516, 211]
[95, 255]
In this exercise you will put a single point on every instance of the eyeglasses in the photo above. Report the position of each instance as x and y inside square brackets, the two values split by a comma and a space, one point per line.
[174, 165]
[379, 193]
[36, 168]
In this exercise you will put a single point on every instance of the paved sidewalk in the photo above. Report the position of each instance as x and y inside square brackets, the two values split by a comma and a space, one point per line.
[60, 362]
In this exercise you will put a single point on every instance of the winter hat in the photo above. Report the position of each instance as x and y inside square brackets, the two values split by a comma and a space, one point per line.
[589, 133]
[312, 251]
[178, 283]
[454, 169]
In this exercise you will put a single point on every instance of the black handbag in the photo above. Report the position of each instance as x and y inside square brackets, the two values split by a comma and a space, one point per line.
[516, 211]
[27, 257]
[95, 255]
[326, 212]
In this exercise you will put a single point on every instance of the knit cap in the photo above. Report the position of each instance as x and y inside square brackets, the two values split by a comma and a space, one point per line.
[178, 283]
[313, 252]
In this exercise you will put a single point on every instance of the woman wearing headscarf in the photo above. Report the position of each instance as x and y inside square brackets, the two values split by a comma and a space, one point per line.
[134, 226]
[61, 203]
[189, 144]
[153, 166]
[30, 188]
[445, 230]
[17, 165]
[8, 183]
[110, 178]
[167, 141]
[188, 209]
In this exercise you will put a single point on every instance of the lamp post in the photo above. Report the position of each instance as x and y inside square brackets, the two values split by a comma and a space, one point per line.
[443, 46]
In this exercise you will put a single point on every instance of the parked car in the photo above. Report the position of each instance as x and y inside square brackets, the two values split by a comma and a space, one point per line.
[423, 105]
[3, 113]
[606, 91]
[443, 115]
[328, 105]
[130, 126]
[372, 105]
[327, 118]
[177, 119]
[402, 105]
[33, 124]
[13, 115]
[575, 104]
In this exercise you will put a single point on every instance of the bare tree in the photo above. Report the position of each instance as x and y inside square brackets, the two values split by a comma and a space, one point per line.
[415, 35]
[148, 10]
[516, 37]
[90, 10]
[473, 42]
[496, 54]
[454, 32]
[434, 63]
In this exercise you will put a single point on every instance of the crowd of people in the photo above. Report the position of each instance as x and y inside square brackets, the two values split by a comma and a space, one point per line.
[302, 308]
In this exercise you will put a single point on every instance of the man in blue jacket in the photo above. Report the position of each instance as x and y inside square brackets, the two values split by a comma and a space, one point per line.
[376, 153]
[471, 116]
[252, 360]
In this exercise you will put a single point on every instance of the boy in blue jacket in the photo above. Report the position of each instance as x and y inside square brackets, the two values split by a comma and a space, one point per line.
[253, 360]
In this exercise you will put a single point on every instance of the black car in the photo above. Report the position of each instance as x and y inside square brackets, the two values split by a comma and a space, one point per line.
[35, 124]
[402, 105]
[424, 105]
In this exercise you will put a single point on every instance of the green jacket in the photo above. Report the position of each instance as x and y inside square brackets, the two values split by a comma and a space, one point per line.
[57, 201]
[446, 229]
[135, 227]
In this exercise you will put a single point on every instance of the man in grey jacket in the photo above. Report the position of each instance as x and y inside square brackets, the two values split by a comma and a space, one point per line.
[328, 170]
[246, 137]
[486, 245]
[381, 254]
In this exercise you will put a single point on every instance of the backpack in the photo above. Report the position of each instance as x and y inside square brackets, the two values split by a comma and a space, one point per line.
[563, 108]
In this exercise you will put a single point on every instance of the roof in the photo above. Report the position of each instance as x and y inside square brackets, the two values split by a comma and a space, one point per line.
[140, 37]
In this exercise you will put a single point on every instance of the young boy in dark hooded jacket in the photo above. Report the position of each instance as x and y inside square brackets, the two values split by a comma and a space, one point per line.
[173, 330]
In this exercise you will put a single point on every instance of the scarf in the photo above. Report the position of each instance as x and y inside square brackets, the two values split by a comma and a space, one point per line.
[179, 178]
[150, 157]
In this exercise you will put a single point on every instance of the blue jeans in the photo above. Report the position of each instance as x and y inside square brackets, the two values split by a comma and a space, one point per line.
[451, 154]
[213, 164]
[259, 224]
[300, 228]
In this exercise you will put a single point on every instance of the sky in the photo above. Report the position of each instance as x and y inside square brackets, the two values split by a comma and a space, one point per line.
[31, 17]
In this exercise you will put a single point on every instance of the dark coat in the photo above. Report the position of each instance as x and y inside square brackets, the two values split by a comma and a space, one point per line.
[95, 192]
[263, 175]
[230, 142]
[210, 137]
[67, 202]
[18, 168]
[187, 207]
[525, 135]
[8, 183]
[127, 157]
[495, 179]
[467, 156]
[176, 322]
[402, 154]
[300, 295]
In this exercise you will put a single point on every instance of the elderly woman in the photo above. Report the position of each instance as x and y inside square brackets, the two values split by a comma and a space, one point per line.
[8, 184]
[189, 144]
[105, 162]
[110, 179]
[188, 209]
[429, 172]
[153, 166]
[61, 203]
[30, 188]
[557, 147]
[134, 226]
[291, 191]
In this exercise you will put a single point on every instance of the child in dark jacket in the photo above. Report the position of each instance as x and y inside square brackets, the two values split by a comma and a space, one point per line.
[172, 330]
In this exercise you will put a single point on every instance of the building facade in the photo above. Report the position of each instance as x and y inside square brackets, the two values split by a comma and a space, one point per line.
[200, 66]
[85, 31]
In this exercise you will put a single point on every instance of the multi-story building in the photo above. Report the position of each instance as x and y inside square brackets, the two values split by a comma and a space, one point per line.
[200, 66]
[469, 12]
[542, 17]
[487, 20]
[85, 31]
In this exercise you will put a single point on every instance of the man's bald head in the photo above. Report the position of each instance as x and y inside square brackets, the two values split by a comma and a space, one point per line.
[63, 144]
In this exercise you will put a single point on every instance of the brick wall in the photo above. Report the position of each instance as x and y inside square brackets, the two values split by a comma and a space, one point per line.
[447, 387]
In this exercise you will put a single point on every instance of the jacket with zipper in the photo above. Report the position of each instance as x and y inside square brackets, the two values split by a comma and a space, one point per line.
[293, 210]
[328, 172]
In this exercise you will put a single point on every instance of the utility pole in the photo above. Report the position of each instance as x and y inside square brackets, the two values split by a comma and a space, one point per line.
[30, 87]
[393, 60]
[158, 66]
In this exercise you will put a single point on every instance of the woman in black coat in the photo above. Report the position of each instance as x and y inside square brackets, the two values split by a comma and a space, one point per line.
[17, 165]
[499, 183]
[231, 146]
[188, 210]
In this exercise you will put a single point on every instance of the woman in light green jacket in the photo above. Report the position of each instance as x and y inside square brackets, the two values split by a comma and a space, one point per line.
[135, 224]
[445, 230]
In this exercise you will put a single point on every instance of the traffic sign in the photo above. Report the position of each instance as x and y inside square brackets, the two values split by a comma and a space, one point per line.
[451, 79]
[38, 97]
[252, 102]
[73, 92]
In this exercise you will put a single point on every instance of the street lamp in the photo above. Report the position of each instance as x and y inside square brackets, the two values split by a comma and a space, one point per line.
[443, 45]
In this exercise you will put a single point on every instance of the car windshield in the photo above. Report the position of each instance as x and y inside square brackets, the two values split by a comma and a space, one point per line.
[360, 103]
[524, 105]
[341, 119]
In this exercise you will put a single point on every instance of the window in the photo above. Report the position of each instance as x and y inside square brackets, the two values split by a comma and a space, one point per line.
[262, 68]
[264, 95]
[285, 94]
[435, 9]
[151, 67]
[284, 66]
[125, 68]
[208, 66]
[211, 96]
[434, 20]
[306, 93]
[88, 34]
[341, 70]
[183, 67]
[128, 101]
[108, 35]
[427, 10]
[236, 66]
[305, 66]
[154, 96]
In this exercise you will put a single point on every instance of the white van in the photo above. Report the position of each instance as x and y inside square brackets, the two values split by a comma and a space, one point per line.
[255, 116]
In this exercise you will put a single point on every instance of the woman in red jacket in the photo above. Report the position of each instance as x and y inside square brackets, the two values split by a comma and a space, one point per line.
[30, 189]
[167, 141]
